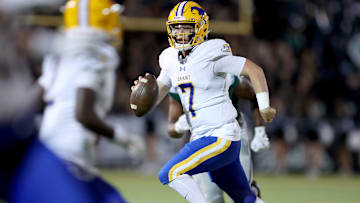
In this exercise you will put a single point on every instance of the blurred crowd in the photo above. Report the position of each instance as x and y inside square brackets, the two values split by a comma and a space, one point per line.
[309, 50]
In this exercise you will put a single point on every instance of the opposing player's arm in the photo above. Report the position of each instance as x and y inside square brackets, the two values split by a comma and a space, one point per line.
[244, 90]
[260, 141]
[241, 66]
[175, 111]
[258, 121]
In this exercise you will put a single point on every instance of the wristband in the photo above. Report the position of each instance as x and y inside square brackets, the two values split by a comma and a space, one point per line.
[263, 100]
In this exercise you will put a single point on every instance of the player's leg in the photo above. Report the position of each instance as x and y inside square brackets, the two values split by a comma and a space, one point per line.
[232, 179]
[99, 189]
[255, 188]
[247, 164]
[187, 188]
[105, 192]
[42, 177]
[11, 153]
[201, 155]
[15, 137]
[211, 191]
[245, 158]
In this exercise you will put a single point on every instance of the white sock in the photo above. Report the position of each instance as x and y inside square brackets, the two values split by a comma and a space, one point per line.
[187, 188]
[258, 200]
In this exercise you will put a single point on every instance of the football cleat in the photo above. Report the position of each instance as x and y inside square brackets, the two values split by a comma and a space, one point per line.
[255, 188]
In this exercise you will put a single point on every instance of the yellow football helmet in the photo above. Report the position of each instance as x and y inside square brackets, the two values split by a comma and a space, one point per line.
[188, 12]
[90, 15]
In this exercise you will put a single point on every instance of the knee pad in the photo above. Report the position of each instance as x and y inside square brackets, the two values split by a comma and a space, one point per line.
[163, 176]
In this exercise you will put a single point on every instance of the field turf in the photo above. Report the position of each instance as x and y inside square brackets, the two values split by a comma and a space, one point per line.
[138, 188]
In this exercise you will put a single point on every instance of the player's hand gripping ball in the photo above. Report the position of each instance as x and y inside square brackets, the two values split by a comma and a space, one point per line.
[144, 94]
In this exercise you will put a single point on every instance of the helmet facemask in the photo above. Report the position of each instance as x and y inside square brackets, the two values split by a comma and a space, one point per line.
[186, 38]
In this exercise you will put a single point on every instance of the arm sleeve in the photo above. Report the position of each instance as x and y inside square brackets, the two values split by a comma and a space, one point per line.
[92, 79]
[175, 96]
[229, 64]
[49, 67]
[164, 78]
[92, 74]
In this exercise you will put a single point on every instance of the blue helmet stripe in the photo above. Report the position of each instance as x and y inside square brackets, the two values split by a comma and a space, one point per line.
[180, 8]
[177, 10]
[182, 11]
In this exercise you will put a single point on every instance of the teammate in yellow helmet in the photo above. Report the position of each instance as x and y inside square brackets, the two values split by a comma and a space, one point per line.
[78, 83]
[93, 19]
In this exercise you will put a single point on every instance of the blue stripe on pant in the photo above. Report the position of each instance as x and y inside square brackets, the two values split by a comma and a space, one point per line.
[216, 156]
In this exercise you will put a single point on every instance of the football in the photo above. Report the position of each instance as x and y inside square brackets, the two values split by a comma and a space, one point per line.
[144, 95]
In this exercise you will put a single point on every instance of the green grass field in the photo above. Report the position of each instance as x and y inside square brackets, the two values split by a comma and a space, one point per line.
[138, 188]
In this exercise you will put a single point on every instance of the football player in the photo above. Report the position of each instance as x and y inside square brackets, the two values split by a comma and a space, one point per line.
[198, 67]
[29, 171]
[78, 83]
[238, 88]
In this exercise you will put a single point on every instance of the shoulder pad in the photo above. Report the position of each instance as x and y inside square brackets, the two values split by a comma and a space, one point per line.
[212, 49]
[167, 57]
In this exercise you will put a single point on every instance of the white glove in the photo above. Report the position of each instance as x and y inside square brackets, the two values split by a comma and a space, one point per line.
[260, 142]
[133, 143]
[136, 147]
[181, 125]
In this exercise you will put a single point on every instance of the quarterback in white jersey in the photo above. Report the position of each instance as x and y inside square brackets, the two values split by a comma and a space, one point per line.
[202, 91]
[177, 125]
[199, 68]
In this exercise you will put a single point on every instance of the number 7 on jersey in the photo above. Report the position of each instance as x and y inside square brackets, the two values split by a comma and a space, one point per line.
[183, 87]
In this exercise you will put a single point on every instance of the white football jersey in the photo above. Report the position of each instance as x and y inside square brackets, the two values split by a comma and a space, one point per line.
[202, 89]
[86, 66]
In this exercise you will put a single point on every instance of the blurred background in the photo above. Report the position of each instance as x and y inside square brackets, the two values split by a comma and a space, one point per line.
[309, 50]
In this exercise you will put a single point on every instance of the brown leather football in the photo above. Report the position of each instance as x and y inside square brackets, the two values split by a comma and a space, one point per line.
[144, 95]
